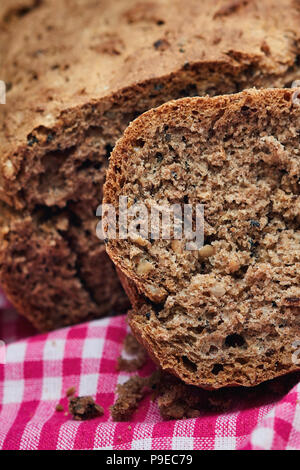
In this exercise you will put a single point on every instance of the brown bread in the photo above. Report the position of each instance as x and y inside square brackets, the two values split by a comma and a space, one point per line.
[228, 313]
[77, 72]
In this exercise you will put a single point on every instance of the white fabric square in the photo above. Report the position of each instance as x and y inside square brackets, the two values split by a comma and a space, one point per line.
[15, 353]
[13, 391]
[52, 388]
[92, 348]
[263, 438]
[88, 384]
[142, 444]
[54, 349]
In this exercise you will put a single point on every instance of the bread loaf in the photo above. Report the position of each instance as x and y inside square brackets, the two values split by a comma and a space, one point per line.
[77, 72]
[226, 313]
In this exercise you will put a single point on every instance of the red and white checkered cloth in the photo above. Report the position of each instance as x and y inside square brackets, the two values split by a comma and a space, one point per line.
[40, 368]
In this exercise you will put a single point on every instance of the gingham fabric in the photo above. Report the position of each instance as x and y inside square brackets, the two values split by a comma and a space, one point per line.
[40, 368]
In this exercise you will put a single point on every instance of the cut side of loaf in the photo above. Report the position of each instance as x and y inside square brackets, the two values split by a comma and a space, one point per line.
[77, 72]
[227, 313]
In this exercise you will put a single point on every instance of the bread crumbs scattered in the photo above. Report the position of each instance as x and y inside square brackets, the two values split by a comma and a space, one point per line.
[71, 391]
[130, 394]
[59, 408]
[132, 347]
[84, 408]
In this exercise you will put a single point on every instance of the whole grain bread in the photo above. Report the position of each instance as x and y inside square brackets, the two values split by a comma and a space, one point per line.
[226, 313]
[77, 72]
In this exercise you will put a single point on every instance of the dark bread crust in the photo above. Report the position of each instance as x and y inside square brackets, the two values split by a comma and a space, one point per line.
[180, 307]
[131, 290]
[74, 87]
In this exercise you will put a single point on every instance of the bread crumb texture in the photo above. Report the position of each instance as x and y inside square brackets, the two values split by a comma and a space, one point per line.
[177, 400]
[77, 72]
[230, 313]
[136, 355]
[84, 408]
[131, 393]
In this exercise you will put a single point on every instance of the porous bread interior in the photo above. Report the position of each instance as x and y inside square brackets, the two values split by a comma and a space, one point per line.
[47, 279]
[232, 317]
[58, 55]
[75, 80]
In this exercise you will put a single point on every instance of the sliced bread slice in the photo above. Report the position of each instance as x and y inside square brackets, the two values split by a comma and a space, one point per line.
[227, 313]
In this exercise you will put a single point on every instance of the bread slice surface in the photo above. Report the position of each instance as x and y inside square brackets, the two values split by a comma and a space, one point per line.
[227, 313]
[77, 72]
